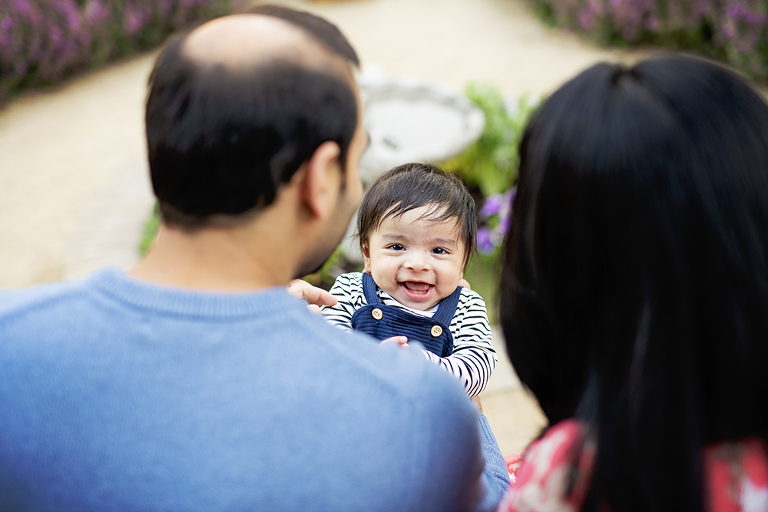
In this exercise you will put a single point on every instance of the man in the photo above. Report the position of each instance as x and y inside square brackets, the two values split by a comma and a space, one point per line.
[195, 381]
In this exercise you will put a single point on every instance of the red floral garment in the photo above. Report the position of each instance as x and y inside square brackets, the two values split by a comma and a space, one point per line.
[737, 476]
[556, 469]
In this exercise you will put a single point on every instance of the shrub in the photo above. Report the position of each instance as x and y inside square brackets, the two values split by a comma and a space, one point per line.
[490, 164]
[43, 41]
[735, 31]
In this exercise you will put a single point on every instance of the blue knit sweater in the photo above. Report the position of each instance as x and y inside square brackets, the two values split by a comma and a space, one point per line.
[119, 395]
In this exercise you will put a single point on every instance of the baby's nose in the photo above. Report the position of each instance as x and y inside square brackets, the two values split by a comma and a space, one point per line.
[418, 261]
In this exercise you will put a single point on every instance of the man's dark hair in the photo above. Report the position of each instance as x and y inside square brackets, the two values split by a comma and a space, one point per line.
[412, 186]
[635, 287]
[223, 142]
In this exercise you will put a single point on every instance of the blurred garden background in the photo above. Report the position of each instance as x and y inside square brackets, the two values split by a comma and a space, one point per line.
[74, 189]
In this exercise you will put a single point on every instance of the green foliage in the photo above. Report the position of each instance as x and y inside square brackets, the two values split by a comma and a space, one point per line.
[336, 265]
[490, 164]
[482, 273]
[42, 42]
[330, 269]
[151, 225]
[734, 31]
[545, 11]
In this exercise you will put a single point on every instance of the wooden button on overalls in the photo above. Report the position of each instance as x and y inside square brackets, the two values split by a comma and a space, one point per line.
[436, 331]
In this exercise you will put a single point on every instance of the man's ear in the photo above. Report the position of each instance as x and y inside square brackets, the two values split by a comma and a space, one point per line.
[366, 257]
[322, 182]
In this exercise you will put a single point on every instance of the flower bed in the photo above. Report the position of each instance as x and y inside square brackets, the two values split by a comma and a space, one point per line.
[735, 31]
[43, 41]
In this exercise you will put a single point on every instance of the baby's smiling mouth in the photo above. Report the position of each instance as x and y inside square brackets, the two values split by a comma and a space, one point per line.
[416, 290]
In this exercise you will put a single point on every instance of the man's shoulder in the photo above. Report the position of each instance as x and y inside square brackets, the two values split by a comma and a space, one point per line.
[389, 368]
[408, 413]
[371, 415]
[37, 299]
[433, 404]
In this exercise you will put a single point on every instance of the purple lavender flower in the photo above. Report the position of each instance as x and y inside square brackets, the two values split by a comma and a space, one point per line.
[95, 12]
[55, 34]
[504, 225]
[54, 38]
[497, 204]
[22, 7]
[495, 214]
[506, 204]
[132, 23]
[738, 27]
[492, 205]
[652, 24]
[484, 243]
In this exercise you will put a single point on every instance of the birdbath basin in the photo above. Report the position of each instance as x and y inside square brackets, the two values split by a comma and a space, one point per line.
[411, 121]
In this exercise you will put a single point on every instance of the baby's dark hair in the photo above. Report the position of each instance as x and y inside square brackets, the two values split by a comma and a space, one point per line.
[411, 186]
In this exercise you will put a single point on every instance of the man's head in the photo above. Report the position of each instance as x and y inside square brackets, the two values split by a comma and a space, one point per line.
[238, 105]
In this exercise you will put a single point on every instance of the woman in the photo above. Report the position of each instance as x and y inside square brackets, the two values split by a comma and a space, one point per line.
[635, 291]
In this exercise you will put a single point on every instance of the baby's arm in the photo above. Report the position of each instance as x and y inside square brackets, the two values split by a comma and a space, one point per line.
[348, 290]
[473, 357]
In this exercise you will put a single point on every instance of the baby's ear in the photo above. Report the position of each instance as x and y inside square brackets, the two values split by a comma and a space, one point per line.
[366, 257]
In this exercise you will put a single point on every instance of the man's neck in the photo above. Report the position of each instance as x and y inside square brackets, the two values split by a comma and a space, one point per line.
[214, 259]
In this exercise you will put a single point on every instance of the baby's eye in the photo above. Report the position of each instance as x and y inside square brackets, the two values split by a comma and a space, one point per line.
[439, 250]
[396, 247]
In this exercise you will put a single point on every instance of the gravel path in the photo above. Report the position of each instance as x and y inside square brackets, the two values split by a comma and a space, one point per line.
[73, 182]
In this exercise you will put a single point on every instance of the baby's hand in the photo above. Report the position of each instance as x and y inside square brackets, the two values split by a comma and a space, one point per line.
[315, 296]
[400, 340]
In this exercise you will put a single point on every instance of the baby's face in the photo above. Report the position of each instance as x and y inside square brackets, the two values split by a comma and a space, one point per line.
[417, 261]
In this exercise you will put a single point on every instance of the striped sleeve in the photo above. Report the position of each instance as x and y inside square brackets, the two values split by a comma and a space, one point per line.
[474, 357]
[348, 290]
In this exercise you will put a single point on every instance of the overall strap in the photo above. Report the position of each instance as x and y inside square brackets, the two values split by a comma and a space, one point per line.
[447, 308]
[369, 289]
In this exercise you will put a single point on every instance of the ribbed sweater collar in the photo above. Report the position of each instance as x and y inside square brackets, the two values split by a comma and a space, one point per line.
[116, 285]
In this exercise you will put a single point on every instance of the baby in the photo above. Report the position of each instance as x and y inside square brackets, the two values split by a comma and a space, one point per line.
[417, 226]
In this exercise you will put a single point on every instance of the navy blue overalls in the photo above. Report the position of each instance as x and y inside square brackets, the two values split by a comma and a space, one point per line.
[382, 321]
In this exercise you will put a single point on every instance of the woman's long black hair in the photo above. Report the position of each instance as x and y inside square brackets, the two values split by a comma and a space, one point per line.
[635, 286]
